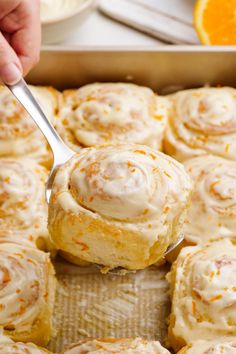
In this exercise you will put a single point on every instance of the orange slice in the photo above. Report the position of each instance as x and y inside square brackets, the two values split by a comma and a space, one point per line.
[215, 21]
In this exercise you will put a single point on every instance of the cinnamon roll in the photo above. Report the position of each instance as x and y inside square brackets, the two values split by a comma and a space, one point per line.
[212, 212]
[112, 113]
[23, 208]
[19, 135]
[203, 281]
[218, 346]
[202, 121]
[117, 346]
[7, 346]
[118, 205]
[27, 287]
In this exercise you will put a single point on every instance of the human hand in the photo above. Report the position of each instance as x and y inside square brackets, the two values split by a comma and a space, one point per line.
[20, 38]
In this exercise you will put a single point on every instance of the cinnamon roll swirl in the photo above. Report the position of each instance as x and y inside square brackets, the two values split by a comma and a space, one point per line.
[19, 135]
[112, 113]
[118, 205]
[202, 121]
[203, 281]
[117, 346]
[27, 287]
[218, 346]
[212, 212]
[23, 208]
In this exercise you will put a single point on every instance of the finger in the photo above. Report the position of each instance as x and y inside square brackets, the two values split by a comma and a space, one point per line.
[7, 6]
[10, 66]
[26, 40]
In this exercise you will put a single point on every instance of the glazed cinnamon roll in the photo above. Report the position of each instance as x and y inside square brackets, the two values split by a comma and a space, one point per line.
[118, 205]
[202, 121]
[27, 287]
[112, 345]
[218, 346]
[212, 212]
[19, 135]
[7, 346]
[203, 281]
[112, 113]
[23, 208]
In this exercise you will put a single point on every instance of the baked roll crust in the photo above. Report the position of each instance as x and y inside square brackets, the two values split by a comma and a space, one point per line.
[23, 208]
[7, 346]
[202, 121]
[118, 205]
[19, 135]
[217, 346]
[116, 346]
[103, 113]
[27, 289]
[203, 282]
[212, 212]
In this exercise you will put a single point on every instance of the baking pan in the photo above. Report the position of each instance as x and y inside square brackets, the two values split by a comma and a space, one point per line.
[91, 304]
[160, 68]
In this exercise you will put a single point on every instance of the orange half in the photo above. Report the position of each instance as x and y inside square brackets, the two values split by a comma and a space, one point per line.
[215, 21]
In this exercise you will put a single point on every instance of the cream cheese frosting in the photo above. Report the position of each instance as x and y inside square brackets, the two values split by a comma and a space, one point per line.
[212, 212]
[128, 346]
[202, 121]
[204, 292]
[8, 346]
[218, 346]
[128, 190]
[19, 135]
[23, 286]
[56, 9]
[21, 348]
[112, 113]
[23, 208]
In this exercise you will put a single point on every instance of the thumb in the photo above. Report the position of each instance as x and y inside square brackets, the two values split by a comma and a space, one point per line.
[10, 66]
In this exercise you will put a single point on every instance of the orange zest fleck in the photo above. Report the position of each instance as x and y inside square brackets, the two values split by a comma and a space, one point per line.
[215, 298]
[129, 164]
[212, 274]
[140, 152]
[153, 156]
[145, 211]
[167, 174]
[194, 307]
[83, 245]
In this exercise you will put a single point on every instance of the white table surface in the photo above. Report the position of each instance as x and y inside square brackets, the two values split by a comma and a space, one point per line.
[99, 30]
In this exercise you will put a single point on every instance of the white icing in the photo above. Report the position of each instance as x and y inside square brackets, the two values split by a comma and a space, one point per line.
[204, 298]
[218, 346]
[128, 346]
[20, 348]
[56, 9]
[212, 212]
[203, 121]
[19, 135]
[23, 286]
[23, 207]
[102, 113]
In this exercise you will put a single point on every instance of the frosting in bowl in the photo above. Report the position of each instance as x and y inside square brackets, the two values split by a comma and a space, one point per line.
[57, 9]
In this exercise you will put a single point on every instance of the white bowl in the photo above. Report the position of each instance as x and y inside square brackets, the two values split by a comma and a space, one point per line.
[59, 27]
